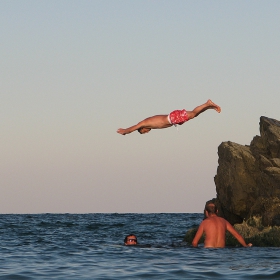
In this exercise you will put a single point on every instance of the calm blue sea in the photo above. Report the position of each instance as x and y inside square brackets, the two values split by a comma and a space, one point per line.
[90, 246]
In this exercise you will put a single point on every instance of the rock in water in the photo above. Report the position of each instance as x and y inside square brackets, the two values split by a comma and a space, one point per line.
[248, 177]
[248, 187]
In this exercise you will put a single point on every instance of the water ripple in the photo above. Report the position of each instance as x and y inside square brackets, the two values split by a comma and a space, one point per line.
[90, 246]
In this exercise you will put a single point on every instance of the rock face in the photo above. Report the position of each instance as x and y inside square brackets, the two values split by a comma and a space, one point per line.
[248, 177]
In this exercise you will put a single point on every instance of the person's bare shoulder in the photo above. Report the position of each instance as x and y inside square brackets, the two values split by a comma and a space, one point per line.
[229, 227]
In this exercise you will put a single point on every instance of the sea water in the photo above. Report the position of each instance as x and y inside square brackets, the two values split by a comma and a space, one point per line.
[90, 246]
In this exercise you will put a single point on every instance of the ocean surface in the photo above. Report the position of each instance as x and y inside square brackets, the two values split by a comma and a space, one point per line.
[90, 246]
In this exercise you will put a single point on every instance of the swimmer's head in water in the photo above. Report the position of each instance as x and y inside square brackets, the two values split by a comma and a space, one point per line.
[143, 130]
[130, 239]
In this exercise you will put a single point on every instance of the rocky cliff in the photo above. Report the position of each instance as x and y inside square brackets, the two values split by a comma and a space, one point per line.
[248, 177]
[248, 187]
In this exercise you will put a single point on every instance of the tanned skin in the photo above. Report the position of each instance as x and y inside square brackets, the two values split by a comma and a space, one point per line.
[215, 229]
[161, 121]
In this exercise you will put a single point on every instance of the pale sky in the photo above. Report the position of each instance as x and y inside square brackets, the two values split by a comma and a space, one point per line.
[73, 72]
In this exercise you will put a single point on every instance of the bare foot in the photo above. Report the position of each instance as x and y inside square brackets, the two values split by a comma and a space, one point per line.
[121, 131]
[214, 106]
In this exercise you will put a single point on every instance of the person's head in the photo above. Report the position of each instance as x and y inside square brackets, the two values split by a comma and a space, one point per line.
[210, 208]
[130, 239]
[143, 130]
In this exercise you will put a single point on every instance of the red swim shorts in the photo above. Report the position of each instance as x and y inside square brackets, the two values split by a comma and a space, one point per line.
[178, 117]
